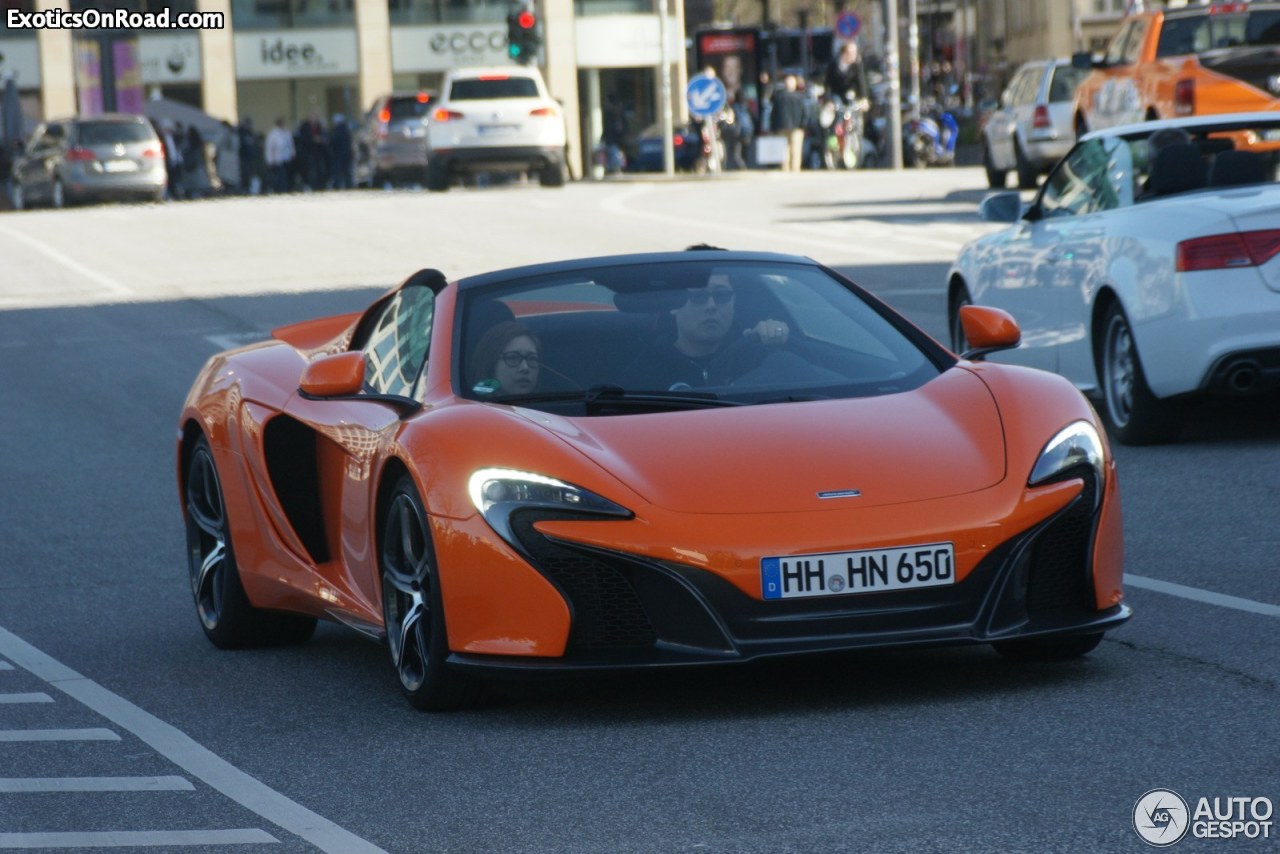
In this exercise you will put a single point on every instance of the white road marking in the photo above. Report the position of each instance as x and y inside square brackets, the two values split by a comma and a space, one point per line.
[70, 263]
[58, 735]
[135, 839]
[25, 698]
[1207, 596]
[40, 785]
[183, 751]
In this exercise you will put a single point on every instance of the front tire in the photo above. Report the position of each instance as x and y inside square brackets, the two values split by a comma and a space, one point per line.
[413, 610]
[1027, 175]
[996, 178]
[958, 342]
[1133, 414]
[226, 615]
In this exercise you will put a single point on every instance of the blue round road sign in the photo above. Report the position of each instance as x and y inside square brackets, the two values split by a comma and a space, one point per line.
[848, 25]
[705, 96]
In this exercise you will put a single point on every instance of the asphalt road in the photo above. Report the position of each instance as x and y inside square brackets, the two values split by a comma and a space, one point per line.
[106, 314]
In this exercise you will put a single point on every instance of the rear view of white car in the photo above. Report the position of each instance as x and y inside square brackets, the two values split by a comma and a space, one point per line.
[1032, 130]
[1146, 270]
[495, 120]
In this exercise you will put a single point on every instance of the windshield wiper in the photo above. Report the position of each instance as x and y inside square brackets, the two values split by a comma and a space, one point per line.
[600, 397]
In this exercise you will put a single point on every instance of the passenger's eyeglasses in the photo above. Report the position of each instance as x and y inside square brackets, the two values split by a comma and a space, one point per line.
[700, 296]
[513, 358]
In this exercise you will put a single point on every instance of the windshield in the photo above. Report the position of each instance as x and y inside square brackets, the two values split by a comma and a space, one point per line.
[682, 335]
[112, 133]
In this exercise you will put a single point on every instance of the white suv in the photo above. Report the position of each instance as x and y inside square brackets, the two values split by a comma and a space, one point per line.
[495, 120]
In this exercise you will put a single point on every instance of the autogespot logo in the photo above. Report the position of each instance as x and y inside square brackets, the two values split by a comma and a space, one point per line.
[1160, 817]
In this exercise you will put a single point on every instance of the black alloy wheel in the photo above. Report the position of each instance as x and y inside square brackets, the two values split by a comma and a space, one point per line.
[412, 608]
[226, 615]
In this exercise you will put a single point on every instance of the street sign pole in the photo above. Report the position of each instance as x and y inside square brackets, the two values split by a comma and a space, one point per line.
[892, 69]
[665, 103]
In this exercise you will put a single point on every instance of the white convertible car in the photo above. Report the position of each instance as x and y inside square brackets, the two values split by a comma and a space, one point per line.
[1146, 269]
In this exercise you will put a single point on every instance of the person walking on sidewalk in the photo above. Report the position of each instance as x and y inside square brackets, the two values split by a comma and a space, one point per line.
[279, 156]
[789, 118]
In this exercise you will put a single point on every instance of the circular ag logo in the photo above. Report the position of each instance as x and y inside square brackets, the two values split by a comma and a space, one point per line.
[1161, 818]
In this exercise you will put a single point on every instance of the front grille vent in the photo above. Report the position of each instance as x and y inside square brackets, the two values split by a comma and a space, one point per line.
[1059, 577]
[607, 613]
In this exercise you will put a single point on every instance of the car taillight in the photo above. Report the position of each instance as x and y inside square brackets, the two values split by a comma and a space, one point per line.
[384, 115]
[1040, 120]
[443, 115]
[543, 111]
[1184, 97]
[80, 154]
[1228, 8]
[152, 150]
[1225, 251]
[424, 98]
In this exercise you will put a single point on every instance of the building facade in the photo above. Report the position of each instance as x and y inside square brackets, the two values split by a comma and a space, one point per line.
[298, 58]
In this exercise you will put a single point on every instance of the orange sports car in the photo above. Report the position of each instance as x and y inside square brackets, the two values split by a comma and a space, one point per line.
[679, 458]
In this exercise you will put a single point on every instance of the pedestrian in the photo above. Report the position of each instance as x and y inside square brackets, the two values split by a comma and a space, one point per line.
[340, 154]
[172, 159]
[312, 151]
[198, 182]
[280, 154]
[227, 162]
[789, 111]
[614, 135]
[737, 129]
[250, 157]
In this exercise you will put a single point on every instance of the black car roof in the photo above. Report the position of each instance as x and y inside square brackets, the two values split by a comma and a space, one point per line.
[636, 259]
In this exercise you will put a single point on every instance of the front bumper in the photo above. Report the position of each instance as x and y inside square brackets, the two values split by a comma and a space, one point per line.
[637, 612]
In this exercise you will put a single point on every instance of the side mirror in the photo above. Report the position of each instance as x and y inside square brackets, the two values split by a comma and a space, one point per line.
[1082, 60]
[1005, 206]
[987, 330]
[339, 375]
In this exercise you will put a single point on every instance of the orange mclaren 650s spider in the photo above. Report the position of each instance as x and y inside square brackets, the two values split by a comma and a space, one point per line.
[638, 461]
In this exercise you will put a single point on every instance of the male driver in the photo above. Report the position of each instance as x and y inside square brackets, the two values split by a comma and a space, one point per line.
[703, 352]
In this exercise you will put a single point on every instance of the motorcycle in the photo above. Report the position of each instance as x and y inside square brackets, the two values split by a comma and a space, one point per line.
[930, 139]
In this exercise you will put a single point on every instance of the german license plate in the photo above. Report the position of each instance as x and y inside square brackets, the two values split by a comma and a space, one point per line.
[120, 166]
[497, 130]
[867, 571]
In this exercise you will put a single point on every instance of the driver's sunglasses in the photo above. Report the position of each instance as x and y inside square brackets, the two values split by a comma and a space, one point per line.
[700, 296]
[513, 358]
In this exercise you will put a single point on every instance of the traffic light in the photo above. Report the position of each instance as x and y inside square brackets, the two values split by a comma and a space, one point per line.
[522, 36]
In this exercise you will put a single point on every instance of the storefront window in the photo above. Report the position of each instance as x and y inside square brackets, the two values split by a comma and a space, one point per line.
[447, 11]
[613, 7]
[291, 14]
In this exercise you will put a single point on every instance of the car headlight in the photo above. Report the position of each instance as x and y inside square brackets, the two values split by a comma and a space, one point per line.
[498, 493]
[1076, 445]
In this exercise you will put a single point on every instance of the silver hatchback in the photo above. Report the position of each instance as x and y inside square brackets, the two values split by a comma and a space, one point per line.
[1032, 130]
[112, 157]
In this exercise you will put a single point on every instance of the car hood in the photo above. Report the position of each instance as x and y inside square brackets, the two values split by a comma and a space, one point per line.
[942, 439]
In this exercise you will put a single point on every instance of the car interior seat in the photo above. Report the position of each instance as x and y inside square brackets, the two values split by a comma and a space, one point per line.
[1177, 169]
[1233, 168]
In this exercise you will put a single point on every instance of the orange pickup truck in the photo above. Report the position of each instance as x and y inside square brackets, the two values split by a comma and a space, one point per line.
[1219, 57]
